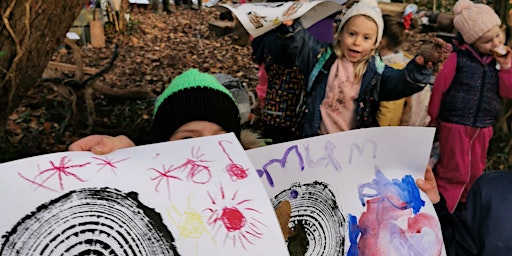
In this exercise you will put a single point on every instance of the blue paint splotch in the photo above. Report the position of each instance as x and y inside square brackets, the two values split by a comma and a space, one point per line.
[392, 223]
[402, 194]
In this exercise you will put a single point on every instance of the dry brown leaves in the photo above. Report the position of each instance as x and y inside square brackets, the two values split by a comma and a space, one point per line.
[158, 47]
[154, 49]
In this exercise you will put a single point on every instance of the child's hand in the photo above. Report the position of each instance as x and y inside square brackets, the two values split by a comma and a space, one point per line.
[101, 144]
[429, 186]
[435, 51]
[421, 61]
[504, 59]
[288, 22]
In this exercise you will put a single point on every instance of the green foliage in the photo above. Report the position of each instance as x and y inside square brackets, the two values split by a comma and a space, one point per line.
[2, 53]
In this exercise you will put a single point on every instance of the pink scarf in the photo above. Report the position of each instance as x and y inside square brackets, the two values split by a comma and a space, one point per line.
[338, 107]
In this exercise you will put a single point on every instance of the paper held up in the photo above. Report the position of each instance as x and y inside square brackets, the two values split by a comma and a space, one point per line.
[258, 18]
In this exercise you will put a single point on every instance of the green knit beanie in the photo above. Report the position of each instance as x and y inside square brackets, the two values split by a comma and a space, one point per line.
[194, 96]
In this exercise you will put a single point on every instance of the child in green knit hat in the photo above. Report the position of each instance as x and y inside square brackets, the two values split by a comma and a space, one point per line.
[195, 104]
[194, 96]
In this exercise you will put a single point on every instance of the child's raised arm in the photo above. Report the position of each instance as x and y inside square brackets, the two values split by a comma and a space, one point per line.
[301, 45]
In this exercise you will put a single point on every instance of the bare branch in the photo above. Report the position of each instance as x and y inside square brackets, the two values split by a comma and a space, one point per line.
[5, 18]
[20, 50]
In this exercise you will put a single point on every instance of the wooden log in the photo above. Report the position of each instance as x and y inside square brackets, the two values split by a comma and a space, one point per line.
[129, 93]
[97, 34]
[97, 30]
[391, 8]
[221, 28]
[69, 67]
[240, 35]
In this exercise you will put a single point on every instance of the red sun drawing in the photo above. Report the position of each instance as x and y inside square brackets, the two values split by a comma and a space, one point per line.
[235, 217]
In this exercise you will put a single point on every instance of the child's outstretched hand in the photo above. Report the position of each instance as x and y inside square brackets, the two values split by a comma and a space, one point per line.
[288, 22]
[429, 186]
[503, 56]
[434, 52]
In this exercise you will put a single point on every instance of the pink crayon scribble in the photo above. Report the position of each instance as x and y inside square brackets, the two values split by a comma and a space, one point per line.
[164, 174]
[240, 225]
[235, 171]
[196, 172]
[108, 162]
[60, 170]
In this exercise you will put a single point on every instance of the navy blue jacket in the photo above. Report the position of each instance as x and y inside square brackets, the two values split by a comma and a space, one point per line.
[379, 82]
[485, 228]
[473, 98]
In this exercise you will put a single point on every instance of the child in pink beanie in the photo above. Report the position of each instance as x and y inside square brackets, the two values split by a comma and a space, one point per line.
[465, 101]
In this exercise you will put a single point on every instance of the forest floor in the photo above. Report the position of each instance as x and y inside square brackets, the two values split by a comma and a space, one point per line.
[154, 49]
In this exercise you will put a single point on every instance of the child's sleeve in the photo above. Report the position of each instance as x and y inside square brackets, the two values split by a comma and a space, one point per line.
[505, 83]
[301, 45]
[443, 80]
[397, 84]
[456, 232]
[259, 45]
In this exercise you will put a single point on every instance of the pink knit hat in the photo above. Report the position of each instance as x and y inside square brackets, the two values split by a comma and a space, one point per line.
[474, 20]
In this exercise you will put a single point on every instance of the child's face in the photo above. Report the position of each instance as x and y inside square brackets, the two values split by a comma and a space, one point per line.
[490, 40]
[358, 38]
[196, 129]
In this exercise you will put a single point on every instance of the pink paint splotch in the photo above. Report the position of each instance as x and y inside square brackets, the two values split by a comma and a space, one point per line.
[392, 223]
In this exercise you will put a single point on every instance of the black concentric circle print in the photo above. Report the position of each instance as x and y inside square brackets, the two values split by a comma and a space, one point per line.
[314, 208]
[91, 222]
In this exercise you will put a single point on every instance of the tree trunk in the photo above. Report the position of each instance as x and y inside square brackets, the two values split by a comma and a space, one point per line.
[30, 32]
[501, 8]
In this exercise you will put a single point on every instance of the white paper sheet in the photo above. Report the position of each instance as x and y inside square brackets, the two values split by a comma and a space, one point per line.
[355, 188]
[202, 193]
[258, 18]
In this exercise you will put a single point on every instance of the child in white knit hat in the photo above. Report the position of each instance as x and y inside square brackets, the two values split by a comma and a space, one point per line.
[347, 80]
[465, 101]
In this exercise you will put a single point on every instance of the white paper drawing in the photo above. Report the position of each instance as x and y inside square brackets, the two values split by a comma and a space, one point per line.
[354, 192]
[258, 18]
[191, 197]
